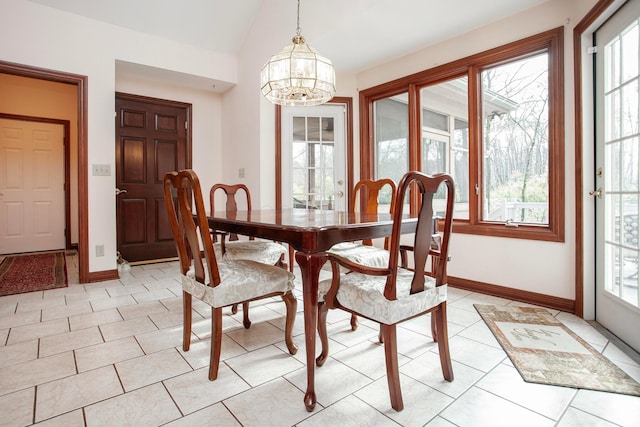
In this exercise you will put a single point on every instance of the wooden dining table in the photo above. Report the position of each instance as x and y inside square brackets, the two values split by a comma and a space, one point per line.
[311, 233]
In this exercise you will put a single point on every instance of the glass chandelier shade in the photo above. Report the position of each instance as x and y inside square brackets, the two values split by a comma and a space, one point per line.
[298, 76]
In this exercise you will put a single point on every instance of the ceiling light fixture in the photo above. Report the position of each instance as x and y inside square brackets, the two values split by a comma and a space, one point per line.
[298, 76]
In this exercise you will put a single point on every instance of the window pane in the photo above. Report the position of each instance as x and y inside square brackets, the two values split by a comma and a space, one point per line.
[445, 136]
[630, 165]
[515, 141]
[630, 108]
[460, 167]
[630, 49]
[434, 155]
[435, 120]
[299, 154]
[299, 129]
[391, 137]
[299, 181]
[313, 128]
[327, 129]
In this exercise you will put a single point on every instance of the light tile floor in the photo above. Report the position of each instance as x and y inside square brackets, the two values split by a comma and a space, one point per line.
[109, 354]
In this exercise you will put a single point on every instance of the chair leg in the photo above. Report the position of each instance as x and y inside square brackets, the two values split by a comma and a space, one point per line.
[216, 341]
[186, 320]
[381, 335]
[354, 322]
[291, 303]
[434, 328]
[234, 308]
[322, 331]
[393, 373]
[291, 258]
[443, 341]
[245, 315]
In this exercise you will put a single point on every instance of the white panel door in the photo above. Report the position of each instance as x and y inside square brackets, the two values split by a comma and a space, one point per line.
[618, 177]
[32, 212]
[313, 157]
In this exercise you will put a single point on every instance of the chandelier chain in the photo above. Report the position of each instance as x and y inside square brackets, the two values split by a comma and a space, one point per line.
[298, 30]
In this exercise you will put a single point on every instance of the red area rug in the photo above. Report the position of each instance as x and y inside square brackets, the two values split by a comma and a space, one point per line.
[32, 272]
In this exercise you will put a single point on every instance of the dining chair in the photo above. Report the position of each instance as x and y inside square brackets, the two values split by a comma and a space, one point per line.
[217, 283]
[263, 251]
[366, 199]
[392, 294]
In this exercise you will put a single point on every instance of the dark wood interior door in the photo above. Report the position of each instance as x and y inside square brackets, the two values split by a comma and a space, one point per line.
[151, 139]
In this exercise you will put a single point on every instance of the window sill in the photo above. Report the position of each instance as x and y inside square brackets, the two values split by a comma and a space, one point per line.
[522, 231]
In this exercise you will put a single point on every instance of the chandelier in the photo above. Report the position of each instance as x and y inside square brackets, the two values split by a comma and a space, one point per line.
[298, 76]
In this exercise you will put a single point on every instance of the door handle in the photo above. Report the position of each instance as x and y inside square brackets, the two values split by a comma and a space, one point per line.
[340, 193]
[119, 191]
[597, 193]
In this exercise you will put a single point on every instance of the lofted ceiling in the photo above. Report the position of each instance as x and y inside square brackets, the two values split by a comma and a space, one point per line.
[354, 34]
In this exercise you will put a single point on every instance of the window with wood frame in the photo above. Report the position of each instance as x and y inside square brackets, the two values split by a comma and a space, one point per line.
[494, 121]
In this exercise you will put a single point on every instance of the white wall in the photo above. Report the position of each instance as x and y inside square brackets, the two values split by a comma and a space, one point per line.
[43, 37]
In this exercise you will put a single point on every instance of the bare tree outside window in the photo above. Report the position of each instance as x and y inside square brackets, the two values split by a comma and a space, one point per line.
[515, 143]
[494, 121]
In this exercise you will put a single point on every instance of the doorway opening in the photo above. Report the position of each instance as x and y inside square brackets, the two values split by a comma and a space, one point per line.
[81, 84]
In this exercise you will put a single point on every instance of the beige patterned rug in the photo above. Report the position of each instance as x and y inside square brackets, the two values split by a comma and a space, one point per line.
[545, 351]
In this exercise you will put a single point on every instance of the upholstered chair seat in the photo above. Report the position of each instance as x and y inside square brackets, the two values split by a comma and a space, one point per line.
[364, 294]
[370, 256]
[262, 251]
[241, 281]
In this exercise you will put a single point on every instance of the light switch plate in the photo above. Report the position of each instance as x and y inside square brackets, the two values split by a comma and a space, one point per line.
[101, 170]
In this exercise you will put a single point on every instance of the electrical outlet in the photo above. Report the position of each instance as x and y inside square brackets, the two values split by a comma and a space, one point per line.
[101, 170]
[99, 250]
[241, 173]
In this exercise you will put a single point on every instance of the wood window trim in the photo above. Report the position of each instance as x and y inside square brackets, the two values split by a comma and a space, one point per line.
[81, 84]
[598, 10]
[471, 66]
[339, 100]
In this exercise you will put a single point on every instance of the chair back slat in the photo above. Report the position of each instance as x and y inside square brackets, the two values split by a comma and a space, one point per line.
[422, 245]
[231, 204]
[187, 233]
[426, 186]
[365, 195]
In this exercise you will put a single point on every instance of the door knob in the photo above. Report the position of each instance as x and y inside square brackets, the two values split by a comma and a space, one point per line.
[340, 193]
[597, 193]
[119, 191]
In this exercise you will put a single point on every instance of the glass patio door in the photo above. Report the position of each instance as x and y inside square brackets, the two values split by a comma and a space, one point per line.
[618, 174]
[313, 157]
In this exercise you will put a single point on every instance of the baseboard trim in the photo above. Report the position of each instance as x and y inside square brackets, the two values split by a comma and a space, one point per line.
[548, 301]
[155, 261]
[101, 276]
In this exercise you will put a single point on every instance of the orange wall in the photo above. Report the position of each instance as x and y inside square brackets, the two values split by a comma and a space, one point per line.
[41, 98]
